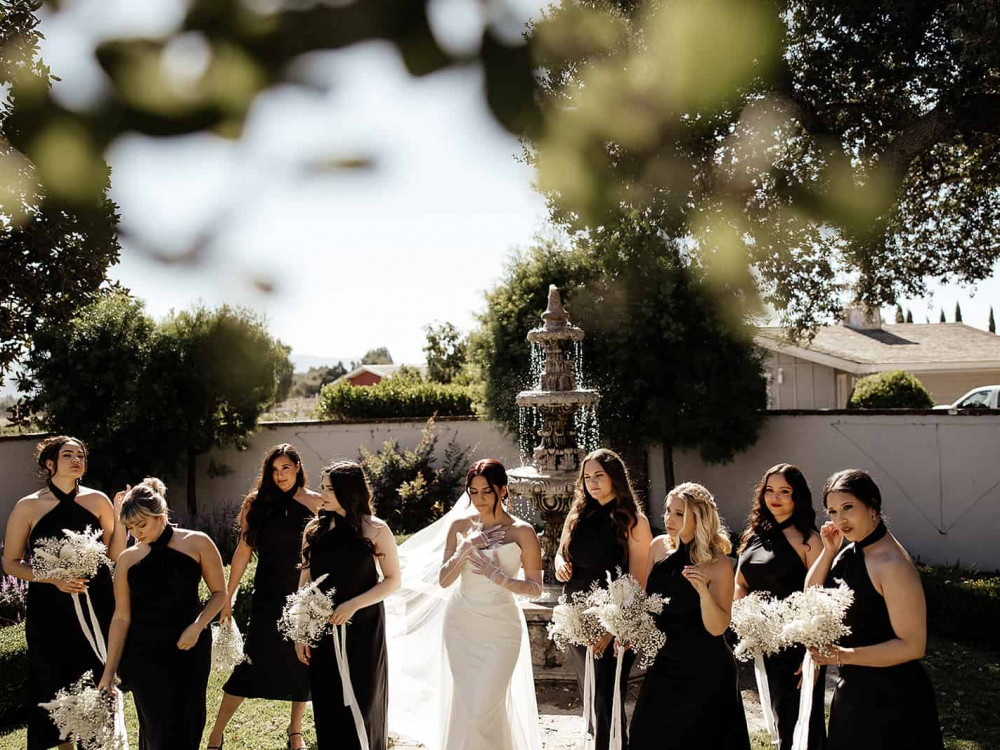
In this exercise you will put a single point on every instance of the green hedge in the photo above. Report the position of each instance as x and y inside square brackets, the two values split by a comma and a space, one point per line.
[14, 668]
[395, 397]
[962, 604]
[890, 390]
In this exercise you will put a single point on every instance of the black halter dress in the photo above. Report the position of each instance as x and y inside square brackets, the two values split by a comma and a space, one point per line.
[595, 550]
[169, 685]
[770, 564]
[690, 697]
[272, 670]
[877, 707]
[348, 563]
[58, 651]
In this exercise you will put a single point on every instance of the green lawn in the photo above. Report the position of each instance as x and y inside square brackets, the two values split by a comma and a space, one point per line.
[966, 681]
[258, 725]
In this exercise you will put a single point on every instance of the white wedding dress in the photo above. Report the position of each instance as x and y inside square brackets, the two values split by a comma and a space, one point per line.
[460, 674]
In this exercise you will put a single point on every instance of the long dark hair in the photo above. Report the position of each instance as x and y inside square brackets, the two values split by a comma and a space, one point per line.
[858, 483]
[48, 450]
[627, 509]
[493, 472]
[354, 495]
[261, 503]
[761, 519]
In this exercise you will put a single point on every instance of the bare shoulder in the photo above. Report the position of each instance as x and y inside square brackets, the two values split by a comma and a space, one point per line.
[522, 532]
[312, 494]
[891, 564]
[659, 547]
[721, 565]
[93, 499]
[641, 529]
[374, 526]
[129, 556]
[459, 526]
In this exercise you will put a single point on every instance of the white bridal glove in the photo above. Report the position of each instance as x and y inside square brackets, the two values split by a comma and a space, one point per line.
[489, 567]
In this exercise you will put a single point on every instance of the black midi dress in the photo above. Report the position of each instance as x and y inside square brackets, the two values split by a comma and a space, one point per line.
[770, 564]
[272, 670]
[594, 551]
[349, 565]
[690, 697]
[169, 685]
[58, 651]
[877, 707]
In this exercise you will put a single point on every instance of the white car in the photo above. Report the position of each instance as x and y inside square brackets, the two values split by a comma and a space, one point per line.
[983, 397]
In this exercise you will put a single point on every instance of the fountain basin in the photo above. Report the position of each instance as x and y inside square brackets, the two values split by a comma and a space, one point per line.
[574, 398]
[549, 335]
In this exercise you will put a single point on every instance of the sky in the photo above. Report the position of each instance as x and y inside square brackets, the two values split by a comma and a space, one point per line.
[357, 259]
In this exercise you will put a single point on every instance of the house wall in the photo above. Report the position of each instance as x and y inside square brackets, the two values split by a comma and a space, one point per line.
[797, 384]
[947, 387]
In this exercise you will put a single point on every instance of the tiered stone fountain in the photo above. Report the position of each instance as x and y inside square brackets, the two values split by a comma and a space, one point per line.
[549, 480]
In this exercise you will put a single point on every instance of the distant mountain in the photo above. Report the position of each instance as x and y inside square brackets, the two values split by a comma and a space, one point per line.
[303, 362]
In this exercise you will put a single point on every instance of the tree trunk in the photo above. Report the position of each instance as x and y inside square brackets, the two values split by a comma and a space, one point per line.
[668, 466]
[192, 482]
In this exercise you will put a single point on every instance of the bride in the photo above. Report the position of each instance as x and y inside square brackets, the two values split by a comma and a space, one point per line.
[465, 646]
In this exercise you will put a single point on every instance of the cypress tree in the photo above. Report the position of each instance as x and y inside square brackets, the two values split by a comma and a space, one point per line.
[958, 313]
[943, 320]
[909, 316]
[899, 314]
[993, 323]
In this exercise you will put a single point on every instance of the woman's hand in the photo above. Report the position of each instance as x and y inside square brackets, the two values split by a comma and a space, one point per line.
[107, 684]
[119, 500]
[68, 586]
[189, 637]
[621, 648]
[564, 569]
[600, 645]
[832, 655]
[303, 652]
[832, 538]
[226, 613]
[799, 673]
[343, 613]
[696, 578]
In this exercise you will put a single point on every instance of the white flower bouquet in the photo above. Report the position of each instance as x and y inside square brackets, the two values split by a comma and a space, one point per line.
[75, 555]
[758, 620]
[306, 616]
[625, 610]
[814, 618]
[573, 623]
[85, 715]
[227, 646]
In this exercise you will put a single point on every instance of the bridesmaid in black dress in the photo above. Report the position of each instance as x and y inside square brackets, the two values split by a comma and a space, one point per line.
[349, 545]
[778, 547]
[883, 697]
[604, 529]
[272, 519]
[159, 635]
[58, 651]
[690, 697]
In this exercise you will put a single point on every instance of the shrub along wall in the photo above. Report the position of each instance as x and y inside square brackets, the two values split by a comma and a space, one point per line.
[394, 398]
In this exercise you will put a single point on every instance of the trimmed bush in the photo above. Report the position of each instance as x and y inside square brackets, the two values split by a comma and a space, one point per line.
[962, 604]
[395, 397]
[14, 668]
[890, 390]
[408, 490]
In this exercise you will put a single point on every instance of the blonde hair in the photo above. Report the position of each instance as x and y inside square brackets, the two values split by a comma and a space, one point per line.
[146, 499]
[710, 537]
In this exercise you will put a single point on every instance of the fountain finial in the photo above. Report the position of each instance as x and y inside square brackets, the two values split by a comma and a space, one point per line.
[555, 315]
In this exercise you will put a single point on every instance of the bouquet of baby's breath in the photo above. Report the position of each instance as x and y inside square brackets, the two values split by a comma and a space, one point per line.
[75, 555]
[758, 620]
[227, 646]
[572, 623]
[306, 616]
[85, 715]
[815, 617]
[625, 610]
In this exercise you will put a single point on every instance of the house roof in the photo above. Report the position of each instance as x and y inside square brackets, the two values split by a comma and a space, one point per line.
[382, 371]
[917, 347]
